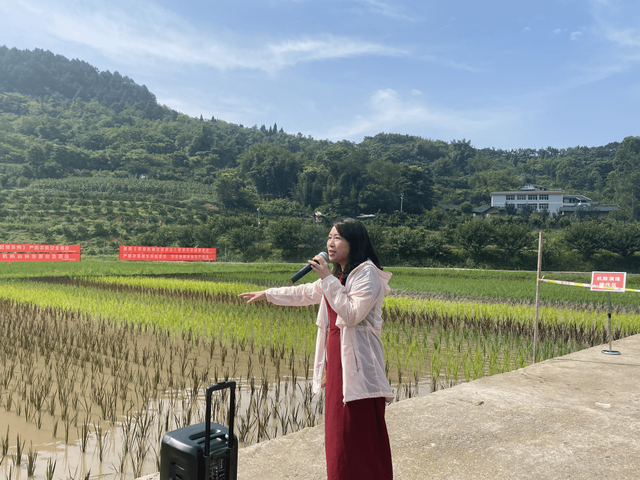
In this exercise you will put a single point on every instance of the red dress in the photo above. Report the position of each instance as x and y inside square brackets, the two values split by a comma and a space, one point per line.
[356, 438]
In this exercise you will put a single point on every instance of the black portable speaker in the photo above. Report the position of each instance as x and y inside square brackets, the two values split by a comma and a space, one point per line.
[206, 451]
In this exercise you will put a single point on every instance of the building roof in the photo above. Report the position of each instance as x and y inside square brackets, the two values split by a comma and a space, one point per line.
[582, 198]
[485, 209]
[528, 188]
[526, 192]
[587, 208]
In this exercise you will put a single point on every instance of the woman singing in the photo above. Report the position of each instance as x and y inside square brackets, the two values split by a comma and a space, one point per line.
[349, 351]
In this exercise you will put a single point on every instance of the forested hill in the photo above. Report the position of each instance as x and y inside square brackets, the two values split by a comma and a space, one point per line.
[40, 74]
[65, 118]
[90, 157]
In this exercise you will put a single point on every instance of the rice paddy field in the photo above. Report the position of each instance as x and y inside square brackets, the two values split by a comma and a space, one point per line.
[100, 358]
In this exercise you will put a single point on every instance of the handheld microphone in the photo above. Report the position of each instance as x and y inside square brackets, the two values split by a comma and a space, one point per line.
[306, 269]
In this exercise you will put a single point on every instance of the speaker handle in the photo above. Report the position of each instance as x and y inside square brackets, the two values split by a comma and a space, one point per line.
[232, 408]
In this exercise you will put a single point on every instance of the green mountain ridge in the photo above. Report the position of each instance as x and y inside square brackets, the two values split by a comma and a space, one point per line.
[90, 156]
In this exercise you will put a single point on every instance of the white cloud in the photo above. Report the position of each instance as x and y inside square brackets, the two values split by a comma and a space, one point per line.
[230, 107]
[447, 62]
[387, 10]
[143, 33]
[575, 36]
[326, 47]
[619, 28]
[624, 37]
[388, 112]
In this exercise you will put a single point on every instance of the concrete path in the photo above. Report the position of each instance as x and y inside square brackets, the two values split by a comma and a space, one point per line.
[576, 417]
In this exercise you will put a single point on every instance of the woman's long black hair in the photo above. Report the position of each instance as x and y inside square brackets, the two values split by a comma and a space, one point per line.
[360, 247]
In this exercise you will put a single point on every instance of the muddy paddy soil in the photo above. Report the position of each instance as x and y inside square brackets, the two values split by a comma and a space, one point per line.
[87, 398]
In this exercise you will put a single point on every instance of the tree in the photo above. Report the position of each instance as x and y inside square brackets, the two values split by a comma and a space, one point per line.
[485, 182]
[418, 189]
[512, 238]
[346, 164]
[242, 239]
[285, 235]
[587, 237]
[414, 246]
[205, 236]
[444, 167]
[429, 151]
[627, 155]
[482, 162]
[510, 208]
[572, 173]
[310, 187]
[232, 192]
[382, 187]
[460, 152]
[623, 239]
[100, 229]
[36, 159]
[202, 141]
[474, 236]
[625, 179]
[273, 170]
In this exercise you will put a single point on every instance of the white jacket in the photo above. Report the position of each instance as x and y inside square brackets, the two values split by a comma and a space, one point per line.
[358, 305]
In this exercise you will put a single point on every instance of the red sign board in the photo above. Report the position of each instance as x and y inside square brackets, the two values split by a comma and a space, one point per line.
[167, 254]
[21, 252]
[608, 281]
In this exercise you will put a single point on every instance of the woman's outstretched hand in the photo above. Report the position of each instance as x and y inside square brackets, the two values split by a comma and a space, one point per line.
[253, 296]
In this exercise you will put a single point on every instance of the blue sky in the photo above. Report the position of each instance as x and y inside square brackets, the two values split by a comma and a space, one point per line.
[504, 74]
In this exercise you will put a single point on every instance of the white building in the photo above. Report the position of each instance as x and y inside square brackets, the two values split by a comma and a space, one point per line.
[538, 198]
[533, 196]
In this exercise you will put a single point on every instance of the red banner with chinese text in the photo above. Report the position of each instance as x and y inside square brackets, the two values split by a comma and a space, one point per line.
[608, 281]
[21, 252]
[167, 254]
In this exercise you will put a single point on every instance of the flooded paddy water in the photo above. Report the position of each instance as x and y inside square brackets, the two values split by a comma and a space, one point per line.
[85, 397]
[82, 398]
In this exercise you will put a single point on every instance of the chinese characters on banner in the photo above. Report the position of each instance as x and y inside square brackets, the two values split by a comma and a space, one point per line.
[167, 254]
[608, 281]
[20, 252]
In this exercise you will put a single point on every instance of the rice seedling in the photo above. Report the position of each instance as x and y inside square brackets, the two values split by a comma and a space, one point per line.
[72, 476]
[83, 434]
[32, 456]
[51, 469]
[8, 401]
[17, 458]
[133, 355]
[4, 444]
[478, 364]
[67, 425]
